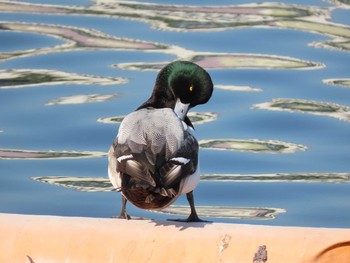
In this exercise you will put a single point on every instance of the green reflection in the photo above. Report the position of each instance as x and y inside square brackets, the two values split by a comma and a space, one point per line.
[252, 145]
[80, 99]
[306, 106]
[42, 155]
[21, 78]
[251, 213]
[195, 117]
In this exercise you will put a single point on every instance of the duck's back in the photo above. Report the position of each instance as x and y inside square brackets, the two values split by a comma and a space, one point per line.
[151, 131]
[147, 139]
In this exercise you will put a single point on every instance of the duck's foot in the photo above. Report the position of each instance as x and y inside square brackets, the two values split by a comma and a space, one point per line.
[123, 215]
[193, 217]
[130, 218]
[190, 219]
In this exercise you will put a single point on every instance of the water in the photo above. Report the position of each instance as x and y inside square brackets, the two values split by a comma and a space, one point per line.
[274, 137]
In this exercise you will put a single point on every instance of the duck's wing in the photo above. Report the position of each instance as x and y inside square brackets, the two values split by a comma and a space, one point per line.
[124, 162]
[183, 163]
[146, 139]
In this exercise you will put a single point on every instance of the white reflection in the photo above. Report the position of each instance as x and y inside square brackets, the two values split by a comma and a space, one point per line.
[80, 99]
[252, 145]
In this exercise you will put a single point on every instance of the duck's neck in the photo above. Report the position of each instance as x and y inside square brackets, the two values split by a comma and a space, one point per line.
[161, 100]
[162, 96]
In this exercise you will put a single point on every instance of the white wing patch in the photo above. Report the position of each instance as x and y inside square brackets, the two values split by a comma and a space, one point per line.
[180, 160]
[124, 157]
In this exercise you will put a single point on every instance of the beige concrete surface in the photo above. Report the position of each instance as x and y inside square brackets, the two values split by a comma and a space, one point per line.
[47, 239]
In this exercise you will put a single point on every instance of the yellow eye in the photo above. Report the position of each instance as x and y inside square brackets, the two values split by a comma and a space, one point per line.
[191, 88]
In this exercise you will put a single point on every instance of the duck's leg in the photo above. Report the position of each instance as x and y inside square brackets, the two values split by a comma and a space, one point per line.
[123, 213]
[193, 217]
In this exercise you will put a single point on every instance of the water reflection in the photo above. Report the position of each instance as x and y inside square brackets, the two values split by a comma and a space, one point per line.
[74, 39]
[337, 111]
[206, 18]
[338, 82]
[251, 213]
[102, 184]
[44, 155]
[80, 39]
[80, 99]
[83, 184]
[252, 145]
[238, 88]
[230, 61]
[22, 78]
[280, 177]
[97, 184]
[195, 117]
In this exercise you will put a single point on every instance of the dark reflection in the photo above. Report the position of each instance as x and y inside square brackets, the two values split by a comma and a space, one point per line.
[345, 2]
[338, 82]
[297, 177]
[207, 18]
[80, 99]
[251, 213]
[102, 184]
[195, 117]
[21, 78]
[252, 145]
[42, 155]
[83, 184]
[337, 111]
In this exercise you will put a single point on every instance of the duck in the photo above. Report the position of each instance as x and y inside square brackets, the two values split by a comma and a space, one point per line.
[154, 157]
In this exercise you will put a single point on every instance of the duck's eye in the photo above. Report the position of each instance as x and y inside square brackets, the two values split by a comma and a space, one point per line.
[191, 88]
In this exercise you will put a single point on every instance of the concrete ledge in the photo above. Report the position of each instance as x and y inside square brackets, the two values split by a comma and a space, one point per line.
[42, 239]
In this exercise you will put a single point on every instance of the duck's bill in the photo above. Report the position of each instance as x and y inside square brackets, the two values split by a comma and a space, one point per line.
[181, 109]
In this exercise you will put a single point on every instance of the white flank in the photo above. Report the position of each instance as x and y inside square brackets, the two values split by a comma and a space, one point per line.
[190, 182]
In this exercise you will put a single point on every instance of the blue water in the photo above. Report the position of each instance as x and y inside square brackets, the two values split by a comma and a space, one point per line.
[27, 124]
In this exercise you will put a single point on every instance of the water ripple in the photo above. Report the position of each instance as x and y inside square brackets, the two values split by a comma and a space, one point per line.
[97, 184]
[238, 88]
[280, 177]
[333, 110]
[232, 61]
[338, 82]
[251, 213]
[195, 117]
[103, 184]
[252, 145]
[206, 18]
[45, 155]
[75, 39]
[22, 78]
[80, 99]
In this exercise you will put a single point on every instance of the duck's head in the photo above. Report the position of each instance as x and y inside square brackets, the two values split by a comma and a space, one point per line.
[180, 85]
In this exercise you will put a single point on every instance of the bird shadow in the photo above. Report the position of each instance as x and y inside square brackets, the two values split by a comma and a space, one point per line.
[180, 225]
[169, 222]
